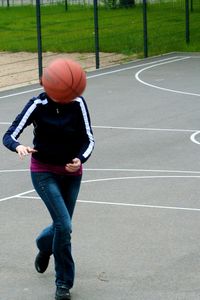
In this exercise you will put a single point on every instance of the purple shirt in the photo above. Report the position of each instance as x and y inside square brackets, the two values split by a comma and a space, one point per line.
[38, 166]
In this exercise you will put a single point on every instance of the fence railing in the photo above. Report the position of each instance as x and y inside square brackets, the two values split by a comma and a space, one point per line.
[43, 2]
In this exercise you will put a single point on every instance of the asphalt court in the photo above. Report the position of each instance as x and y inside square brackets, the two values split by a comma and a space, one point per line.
[136, 224]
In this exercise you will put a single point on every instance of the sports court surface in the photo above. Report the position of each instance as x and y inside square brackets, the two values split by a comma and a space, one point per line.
[136, 227]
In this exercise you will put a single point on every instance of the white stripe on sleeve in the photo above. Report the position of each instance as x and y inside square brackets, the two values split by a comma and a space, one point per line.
[23, 121]
[88, 128]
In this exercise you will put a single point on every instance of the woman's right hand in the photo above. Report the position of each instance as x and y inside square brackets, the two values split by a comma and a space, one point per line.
[24, 150]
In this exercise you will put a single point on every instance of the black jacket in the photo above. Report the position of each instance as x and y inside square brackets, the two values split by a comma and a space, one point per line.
[61, 131]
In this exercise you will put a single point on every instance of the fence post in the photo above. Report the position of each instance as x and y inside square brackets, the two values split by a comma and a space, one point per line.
[66, 5]
[145, 28]
[96, 31]
[187, 22]
[191, 6]
[39, 39]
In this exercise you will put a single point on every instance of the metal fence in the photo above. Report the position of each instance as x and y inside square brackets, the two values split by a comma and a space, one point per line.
[6, 3]
[96, 34]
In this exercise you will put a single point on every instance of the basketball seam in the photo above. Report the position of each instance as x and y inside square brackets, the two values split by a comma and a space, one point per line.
[74, 88]
[79, 81]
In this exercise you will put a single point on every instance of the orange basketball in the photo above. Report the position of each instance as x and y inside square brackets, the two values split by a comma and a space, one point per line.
[63, 80]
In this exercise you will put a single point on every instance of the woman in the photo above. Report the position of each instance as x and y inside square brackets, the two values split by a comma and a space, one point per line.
[63, 141]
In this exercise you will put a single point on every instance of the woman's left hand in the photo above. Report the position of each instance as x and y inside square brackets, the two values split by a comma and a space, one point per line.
[73, 166]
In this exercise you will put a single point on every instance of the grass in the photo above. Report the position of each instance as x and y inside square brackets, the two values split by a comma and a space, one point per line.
[120, 30]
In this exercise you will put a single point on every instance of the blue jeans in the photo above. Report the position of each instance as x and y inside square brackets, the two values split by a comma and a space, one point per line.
[59, 193]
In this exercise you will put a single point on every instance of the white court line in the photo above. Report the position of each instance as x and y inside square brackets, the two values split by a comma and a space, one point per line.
[127, 204]
[140, 177]
[193, 137]
[14, 170]
[162, 88]
[144, 128]
[143, 170]
[16, 196]
[141, 205]
[132, 128]
[115, 170]
[131, 67]
[20, 93]
[93, 76]
[196, 56]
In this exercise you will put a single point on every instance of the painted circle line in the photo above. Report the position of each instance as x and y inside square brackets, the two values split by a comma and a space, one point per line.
[162, 88]
[193, 137]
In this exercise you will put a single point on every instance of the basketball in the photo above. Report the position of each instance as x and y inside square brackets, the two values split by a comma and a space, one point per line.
[63, 80]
